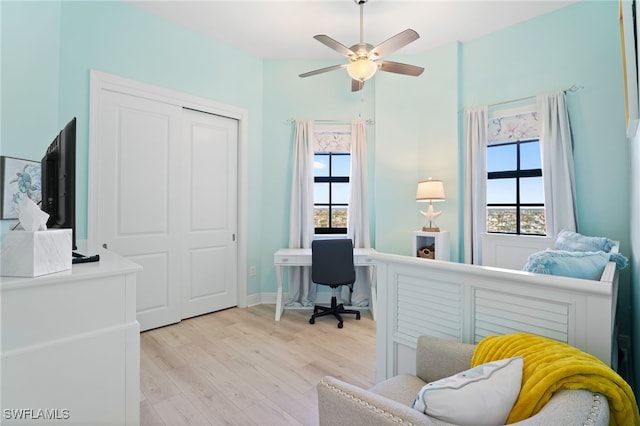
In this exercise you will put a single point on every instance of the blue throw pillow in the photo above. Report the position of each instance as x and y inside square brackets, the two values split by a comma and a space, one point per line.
[575, 264]
[572, 241]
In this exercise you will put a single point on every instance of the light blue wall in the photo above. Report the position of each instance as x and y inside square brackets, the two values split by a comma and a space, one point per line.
[116, 38]
[416, 138]
[48, 49]
[286, 96]
[30, 35]
[578, 45]
[634, 257]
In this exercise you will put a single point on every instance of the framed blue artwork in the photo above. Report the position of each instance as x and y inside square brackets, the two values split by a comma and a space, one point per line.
[19, 179]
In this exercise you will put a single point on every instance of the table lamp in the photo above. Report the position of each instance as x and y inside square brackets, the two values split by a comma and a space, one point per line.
[430, 190]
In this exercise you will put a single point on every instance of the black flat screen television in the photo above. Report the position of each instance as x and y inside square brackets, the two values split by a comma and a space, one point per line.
[59, 181]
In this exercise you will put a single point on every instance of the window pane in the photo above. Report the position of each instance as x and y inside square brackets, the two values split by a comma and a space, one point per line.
[530, 155]
[501, 219]
[531, 190]
[339, 217]
[501, 158]
[532, 221]
[333, 169]
[501, 191]
[321, 165]
[340, 165]
[321, 193]
[339, 193]
[321, 217]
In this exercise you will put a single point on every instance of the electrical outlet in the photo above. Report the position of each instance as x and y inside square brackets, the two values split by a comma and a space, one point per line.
[252, 271]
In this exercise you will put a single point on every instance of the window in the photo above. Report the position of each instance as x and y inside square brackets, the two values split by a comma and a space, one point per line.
[331, 192]
[515, 196]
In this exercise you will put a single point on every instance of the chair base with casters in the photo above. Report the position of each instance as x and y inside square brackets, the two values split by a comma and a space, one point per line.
[334, 309]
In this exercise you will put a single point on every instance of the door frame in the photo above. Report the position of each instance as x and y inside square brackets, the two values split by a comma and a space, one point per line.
[101, 81]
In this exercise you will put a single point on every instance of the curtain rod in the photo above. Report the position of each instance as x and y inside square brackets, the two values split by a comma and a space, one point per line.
[573, 88]
[368, 121]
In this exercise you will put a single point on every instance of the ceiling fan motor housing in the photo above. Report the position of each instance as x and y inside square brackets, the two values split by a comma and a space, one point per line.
[361, 51]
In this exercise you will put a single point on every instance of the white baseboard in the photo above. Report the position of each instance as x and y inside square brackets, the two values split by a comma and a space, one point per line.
[322, 298]
[255, 299]
[270, 298]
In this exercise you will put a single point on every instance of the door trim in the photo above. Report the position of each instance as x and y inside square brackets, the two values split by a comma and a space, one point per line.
[100, 81]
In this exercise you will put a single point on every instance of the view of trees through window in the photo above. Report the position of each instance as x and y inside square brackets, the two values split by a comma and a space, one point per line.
[515, 194]
[331, 192]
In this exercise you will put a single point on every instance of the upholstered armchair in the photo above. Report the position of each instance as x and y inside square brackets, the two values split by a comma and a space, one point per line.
[390, 402]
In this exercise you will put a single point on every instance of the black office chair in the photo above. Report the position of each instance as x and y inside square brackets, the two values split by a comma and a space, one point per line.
[332, 265]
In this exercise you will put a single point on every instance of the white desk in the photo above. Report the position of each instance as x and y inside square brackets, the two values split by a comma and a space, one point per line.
[302, 257]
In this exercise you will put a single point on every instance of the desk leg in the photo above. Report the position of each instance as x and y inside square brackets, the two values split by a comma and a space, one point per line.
[373, 303]
[279, 305]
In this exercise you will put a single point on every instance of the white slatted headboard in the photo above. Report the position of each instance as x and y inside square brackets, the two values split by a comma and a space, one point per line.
[466, 303]
[511, 251]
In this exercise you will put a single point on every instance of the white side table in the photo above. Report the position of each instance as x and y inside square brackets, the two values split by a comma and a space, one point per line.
[439, 241]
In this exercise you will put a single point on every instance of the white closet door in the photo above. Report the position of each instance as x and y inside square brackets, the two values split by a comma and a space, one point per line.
[141, 194]
[166, 197]
[209, 265]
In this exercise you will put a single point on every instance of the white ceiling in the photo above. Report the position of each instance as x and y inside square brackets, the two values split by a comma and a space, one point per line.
[284, 29]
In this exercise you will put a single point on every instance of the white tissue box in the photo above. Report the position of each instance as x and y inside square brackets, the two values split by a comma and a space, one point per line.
[30, 254]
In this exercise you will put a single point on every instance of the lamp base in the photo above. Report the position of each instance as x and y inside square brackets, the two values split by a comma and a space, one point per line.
[430, 229]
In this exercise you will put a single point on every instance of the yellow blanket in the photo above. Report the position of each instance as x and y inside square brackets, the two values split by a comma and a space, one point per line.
[549, 366]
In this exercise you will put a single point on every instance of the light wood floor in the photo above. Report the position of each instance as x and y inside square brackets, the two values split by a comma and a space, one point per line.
[240, 367]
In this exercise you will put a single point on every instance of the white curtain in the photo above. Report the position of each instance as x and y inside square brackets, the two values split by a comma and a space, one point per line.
[358, 216]
[557, 163]
[302, 292]
[475, 204]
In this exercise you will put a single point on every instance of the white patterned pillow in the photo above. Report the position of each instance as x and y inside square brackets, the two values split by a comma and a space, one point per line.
[483, 395]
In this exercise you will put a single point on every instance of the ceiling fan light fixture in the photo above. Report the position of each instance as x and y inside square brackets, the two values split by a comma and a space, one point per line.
[362, 69]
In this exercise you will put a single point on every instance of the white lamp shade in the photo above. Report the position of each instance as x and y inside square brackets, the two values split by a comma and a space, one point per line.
[362, 69]
[430, 190]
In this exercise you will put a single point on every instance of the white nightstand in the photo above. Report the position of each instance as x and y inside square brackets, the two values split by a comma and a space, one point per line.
[438, 240]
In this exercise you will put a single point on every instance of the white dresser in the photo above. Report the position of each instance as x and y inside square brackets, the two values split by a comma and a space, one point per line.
[71, 345]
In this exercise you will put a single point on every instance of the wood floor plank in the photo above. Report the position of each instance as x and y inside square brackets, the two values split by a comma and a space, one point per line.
[148, 415]
[209, 400]
[268, 413]
[241, 367]
[177, 410]
[276, 389]
[154, 383]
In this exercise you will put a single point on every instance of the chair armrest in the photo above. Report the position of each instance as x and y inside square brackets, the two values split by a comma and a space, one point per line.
[340, 403]
[439, 358]
[571, 408]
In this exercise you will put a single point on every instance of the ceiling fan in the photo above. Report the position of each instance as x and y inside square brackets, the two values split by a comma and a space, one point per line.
[365, 59]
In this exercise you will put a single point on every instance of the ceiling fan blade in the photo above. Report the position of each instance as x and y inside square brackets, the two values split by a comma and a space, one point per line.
[335, 45]
[398, 68]
[323, 70]
[356, 85]
[394, 43]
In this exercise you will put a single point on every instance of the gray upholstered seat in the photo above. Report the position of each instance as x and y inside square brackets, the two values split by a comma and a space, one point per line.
[389, 402]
